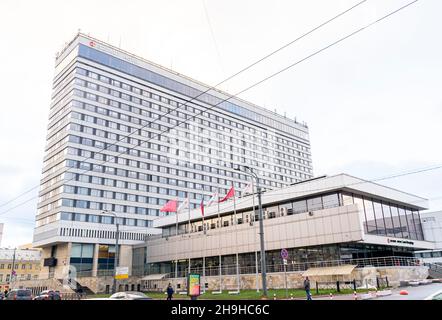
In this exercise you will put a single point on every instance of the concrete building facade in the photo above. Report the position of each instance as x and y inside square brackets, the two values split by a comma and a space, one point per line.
[18, 266]
[432, 228]
[321, 222]
[126, 135]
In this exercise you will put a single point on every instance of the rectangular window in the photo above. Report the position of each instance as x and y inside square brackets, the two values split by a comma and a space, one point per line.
[314, 204]
[370, 223]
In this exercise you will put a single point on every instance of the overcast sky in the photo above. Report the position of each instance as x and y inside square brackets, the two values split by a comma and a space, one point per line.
[372, 103]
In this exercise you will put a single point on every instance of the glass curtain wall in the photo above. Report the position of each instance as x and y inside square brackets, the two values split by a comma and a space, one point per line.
[386, 219]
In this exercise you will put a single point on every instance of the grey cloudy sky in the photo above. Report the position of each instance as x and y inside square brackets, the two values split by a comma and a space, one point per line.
[373, 102]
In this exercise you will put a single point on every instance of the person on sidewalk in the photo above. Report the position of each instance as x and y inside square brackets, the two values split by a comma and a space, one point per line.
[170, 292]
[307, 288]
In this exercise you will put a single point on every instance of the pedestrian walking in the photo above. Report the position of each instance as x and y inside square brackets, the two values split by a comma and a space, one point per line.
[307, 288]
[170, 292]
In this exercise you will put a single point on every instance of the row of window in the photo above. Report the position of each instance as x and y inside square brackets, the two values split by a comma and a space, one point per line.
[217, 149]
[154, 178]
[18, 266]
[102, 234]
[387, 219]
[269, 212]
[177, 156]
[429, 254]
[268, 138]
[92, 218]
[175, 137]
[316, 255]
[22, 277]
[122, 196]
[176, 86]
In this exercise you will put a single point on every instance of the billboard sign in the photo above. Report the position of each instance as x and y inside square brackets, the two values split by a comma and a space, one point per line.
[193, 285]
[122, 273]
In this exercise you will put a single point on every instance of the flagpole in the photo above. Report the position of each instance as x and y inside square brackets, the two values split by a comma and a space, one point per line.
[236, 238]
[219, 242]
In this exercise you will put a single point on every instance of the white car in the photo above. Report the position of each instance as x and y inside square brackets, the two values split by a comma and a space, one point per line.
[126, 295]
[435, 296]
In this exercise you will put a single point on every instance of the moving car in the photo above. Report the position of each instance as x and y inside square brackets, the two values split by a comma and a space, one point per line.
[19, 294]
[49, 295]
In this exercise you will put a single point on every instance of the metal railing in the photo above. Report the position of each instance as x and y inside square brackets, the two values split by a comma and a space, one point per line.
[391, 261]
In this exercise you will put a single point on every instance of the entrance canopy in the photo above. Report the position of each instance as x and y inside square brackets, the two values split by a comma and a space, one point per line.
[330, 271]
[158, 276]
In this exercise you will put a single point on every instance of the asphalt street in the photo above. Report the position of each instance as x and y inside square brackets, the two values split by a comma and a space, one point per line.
[414, 293]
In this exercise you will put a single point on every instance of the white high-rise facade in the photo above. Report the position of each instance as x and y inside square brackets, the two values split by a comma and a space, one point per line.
[126, 135]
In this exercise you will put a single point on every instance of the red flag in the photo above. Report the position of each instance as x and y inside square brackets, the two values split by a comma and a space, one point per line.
[229, 194]
[170, 206]
[202, 207]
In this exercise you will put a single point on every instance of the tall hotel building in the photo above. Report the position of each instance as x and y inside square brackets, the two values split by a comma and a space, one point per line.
[126, 135]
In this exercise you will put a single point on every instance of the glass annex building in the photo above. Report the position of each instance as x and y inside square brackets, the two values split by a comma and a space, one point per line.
[339, 219]
[126, 135]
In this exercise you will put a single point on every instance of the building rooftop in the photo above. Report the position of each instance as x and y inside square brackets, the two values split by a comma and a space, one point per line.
[302, 189]
[20, 254]
[195, 83]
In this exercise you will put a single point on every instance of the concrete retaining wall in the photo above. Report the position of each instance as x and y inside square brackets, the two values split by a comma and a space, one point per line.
[365, 276]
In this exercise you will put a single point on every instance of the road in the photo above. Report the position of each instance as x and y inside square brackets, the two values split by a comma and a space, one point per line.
[414, 293]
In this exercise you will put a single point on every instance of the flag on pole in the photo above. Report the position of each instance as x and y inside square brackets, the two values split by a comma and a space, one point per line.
[202, 207]
[229, 194]
[170, 206]
[183, 205]
[247, 189]
[213, 199]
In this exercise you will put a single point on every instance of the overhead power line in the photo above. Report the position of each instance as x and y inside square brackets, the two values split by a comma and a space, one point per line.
[202, 93]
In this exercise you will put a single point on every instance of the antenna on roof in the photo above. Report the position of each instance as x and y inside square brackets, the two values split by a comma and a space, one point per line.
[79, 30]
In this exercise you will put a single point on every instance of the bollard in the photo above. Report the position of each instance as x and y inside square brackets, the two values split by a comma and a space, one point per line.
[355, 295]
[331, 296]
[291, 296]
[274, 296]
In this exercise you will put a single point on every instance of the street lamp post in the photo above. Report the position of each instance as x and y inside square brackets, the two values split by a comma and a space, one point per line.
[261, 229]
[117, 236]
[13, 271]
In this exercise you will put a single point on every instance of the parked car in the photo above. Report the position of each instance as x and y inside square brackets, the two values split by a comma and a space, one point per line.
[49, 295]
[435, 296]
[127, 295]
[19, 294]
[2, 296]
